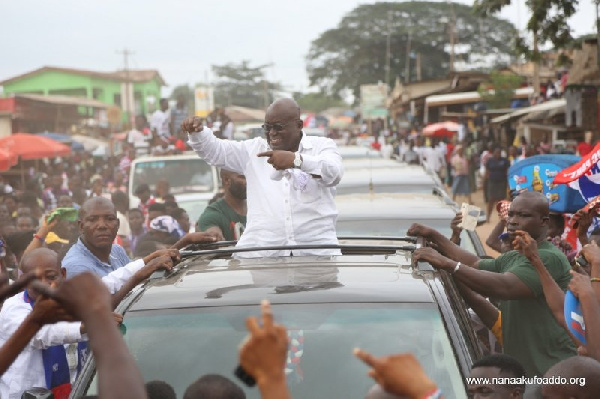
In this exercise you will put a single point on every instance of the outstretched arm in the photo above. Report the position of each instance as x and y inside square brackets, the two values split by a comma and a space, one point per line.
[86, 298]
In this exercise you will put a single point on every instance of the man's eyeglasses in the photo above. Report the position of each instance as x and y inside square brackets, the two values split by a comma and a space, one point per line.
[278, 127]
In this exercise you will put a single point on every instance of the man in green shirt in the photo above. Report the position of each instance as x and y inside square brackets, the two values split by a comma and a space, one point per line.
[530, 332]
[226, 217]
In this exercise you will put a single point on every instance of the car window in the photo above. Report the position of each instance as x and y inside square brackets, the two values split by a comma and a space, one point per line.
[186, 175]
[178, 346]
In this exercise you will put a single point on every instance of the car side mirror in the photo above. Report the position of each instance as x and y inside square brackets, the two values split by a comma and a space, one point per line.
[37, 393]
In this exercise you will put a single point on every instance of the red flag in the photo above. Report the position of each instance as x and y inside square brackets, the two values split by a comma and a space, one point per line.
[574, 172]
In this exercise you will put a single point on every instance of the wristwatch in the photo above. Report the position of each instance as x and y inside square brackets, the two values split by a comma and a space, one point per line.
[297, 160]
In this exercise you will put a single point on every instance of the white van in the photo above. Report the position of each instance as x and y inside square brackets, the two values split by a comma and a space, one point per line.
[193, 182]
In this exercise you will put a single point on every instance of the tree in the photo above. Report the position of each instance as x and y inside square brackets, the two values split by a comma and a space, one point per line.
[548, 23]
[317, 102]
[243, 85]
[354, 53]
[499, 91]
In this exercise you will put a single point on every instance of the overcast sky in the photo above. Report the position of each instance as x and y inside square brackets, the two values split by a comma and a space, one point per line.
[183, 38]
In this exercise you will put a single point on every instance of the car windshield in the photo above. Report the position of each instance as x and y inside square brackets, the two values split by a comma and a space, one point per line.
[178, 346]
[397, 228]
[185, 175]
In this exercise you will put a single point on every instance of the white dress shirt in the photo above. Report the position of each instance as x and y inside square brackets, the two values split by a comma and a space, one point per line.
[279, 213]
[27, 371]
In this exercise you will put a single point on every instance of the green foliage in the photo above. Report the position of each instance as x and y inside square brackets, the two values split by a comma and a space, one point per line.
[243, 85]
[549, 20]
[354, 53]
[499, 90]
[317, 102]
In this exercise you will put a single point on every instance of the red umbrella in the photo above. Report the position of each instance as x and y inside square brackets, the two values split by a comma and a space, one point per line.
[7, 159]
[441, 129]
[29, 146]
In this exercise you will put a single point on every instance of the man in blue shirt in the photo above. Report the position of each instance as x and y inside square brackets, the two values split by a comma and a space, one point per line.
[94, 251]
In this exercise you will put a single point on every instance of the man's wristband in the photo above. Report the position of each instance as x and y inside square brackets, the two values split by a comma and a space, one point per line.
[595, 279]
[456, 267]
[39, 238]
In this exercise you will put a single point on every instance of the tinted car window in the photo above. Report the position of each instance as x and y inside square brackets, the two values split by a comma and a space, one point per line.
[178, 346]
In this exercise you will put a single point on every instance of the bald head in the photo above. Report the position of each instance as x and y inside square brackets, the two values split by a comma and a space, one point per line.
[582, 375]
[536, 201]
[95, 203]
[37, 257]
[286, 107]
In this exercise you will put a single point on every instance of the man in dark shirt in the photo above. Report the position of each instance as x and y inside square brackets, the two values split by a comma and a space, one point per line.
[226, 217]
[529, 330]
[497, 178]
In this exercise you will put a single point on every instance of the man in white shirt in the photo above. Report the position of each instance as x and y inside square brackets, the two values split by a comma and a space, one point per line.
[137, 137]
[160, 120]
[291, 192]
[32, 367]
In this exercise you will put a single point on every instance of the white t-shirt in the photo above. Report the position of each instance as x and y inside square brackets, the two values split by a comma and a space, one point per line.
[140, 141]
[160, 122]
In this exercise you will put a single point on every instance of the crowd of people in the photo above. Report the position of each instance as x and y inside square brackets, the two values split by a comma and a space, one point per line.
[76, 248]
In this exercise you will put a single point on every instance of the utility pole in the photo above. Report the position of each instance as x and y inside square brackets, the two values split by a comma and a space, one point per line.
[452, 39]
[128, 100]
[408, 50]
[388, 50]
[418, 67]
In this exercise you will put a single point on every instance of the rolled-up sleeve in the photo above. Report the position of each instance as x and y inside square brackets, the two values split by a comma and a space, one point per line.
[57, 334]
[327, 164]
[231, 155]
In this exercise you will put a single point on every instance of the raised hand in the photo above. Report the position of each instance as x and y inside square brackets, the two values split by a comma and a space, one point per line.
[580, 284]
[591, 253]
[7, 290]
[526, 245]
[192, 124]
[400, 375]
[81, 296]
[280, 159]
[454, 224]
[264, 354]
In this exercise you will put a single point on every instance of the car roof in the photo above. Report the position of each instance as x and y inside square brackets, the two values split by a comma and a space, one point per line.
[184, 155]
[401, 174]
[416, 206]
[202, 282]
[353, 163]
[348, 152]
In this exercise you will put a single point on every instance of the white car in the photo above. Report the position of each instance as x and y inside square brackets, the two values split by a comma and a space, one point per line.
[192, 181]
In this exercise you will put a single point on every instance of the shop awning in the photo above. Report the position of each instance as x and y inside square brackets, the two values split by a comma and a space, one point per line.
[547, 106]
[468, 97]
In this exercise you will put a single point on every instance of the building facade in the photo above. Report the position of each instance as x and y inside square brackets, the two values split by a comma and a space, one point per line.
[134, 92]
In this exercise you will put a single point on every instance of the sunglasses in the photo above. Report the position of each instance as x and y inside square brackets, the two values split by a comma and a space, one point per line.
[278, 127]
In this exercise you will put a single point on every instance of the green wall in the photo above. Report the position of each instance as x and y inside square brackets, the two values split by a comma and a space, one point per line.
[62, 83]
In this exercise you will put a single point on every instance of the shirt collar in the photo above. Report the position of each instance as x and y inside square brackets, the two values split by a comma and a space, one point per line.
[305, 143]
[87, 252]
